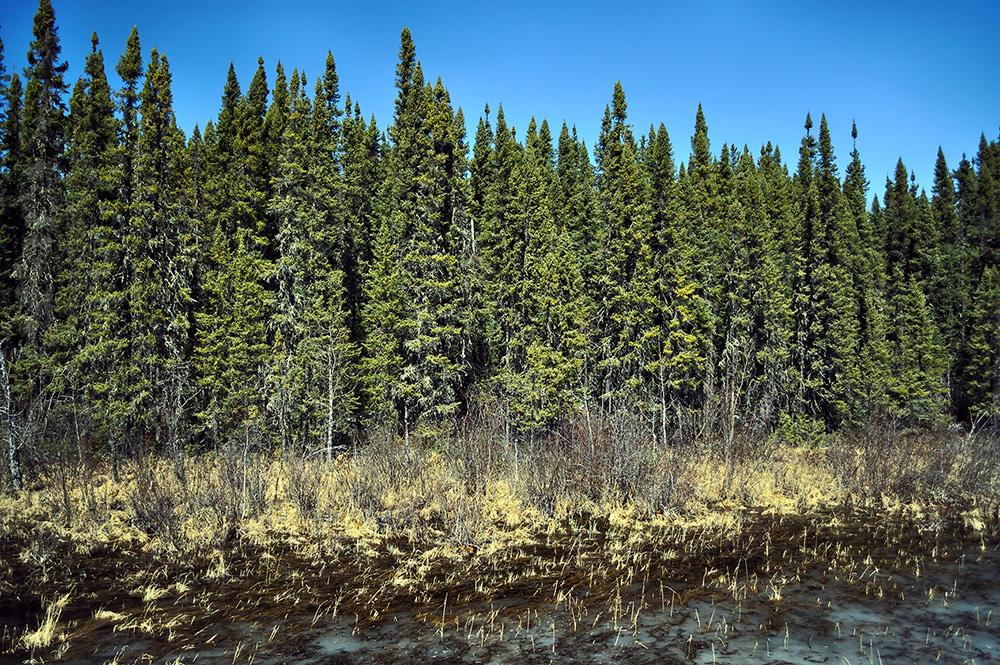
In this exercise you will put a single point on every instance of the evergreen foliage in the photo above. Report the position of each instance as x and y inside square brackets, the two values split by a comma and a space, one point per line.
[293, 277]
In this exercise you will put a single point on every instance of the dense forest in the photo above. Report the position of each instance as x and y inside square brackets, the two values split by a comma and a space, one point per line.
[294, 276]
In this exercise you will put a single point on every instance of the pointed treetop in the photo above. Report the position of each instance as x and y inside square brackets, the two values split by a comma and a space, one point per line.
[331, 85]
[620, 106]
[701, 147]
[827, 160]
[45, 31]
[129, 66]
[809, 122]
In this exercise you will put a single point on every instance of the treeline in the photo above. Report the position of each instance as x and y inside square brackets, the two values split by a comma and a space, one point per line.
[294, 276]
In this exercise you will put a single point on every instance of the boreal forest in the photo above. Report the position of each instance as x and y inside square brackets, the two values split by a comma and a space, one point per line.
[293, 276]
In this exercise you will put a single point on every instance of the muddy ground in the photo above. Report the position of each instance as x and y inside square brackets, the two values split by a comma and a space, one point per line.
[844, 586]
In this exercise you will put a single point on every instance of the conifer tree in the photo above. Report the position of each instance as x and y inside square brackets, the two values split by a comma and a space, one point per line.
[130, 70]
[11, 213]
[41, 198]
[629, 301]
[659, 162]
[826, 298]
[873, 352]
[950, 293]
[916, 387]
[313, 356]
[362, 164]
[982, 372]
[85, 278]
[986, 221]
[426, 167]
[542, 368]
[159, 247]
[115, 393]
[574, 202]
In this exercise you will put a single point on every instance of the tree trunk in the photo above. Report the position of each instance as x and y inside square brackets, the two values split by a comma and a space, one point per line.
[7, 411]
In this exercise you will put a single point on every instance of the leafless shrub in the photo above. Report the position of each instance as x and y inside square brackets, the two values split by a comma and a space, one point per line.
[303, 482]
[886, 458]
[154, 503]
[43, 547]
[477, 452]
[388, 467]
[543, 473]
[212, 493]
[669, 484]
[610, 459]
[243, 475]
[974, 464]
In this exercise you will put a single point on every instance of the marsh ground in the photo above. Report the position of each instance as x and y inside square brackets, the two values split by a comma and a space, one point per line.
[775, 559]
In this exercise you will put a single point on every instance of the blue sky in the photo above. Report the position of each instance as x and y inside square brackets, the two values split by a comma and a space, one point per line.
[915, 75]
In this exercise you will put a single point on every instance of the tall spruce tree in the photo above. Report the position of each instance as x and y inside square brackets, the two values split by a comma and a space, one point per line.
[426, 171]
[41, 194]
[85, 278]
[873, 352]
[628, 304]
[159, 247]
[11, 212]
[982, 372]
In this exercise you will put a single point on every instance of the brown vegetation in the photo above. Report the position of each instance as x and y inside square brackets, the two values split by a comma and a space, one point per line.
[591, 520]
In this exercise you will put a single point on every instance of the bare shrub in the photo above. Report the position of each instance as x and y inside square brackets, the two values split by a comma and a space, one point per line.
[243, 474]
[543, 473]
[669, 484]
[155, 503]
[974, 464]
[303, 482]
[477, 452]
[886, 458]
[390, 472]
[229, 487]
[609, 459]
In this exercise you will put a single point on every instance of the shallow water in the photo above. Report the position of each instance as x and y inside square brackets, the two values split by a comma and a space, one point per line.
[785, 590]
[950, 613]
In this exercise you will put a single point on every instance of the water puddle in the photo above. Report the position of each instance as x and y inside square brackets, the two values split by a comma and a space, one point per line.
[948, 613]
[835, 599]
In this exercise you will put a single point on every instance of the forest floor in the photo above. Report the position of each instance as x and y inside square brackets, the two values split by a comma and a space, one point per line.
[772, 559]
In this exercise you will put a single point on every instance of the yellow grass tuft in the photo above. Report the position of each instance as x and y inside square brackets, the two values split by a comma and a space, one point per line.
[47, 632]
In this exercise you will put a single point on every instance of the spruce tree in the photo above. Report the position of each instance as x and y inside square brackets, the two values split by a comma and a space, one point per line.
[575, 205]
[11, 212]
[950, 293]
[313, 358]
[629, 303]
[869, 288]
[159, 248]
[41, 194]
[916, 387]
[362, 163]
[86, 276]
[424, 215]
[982, 372]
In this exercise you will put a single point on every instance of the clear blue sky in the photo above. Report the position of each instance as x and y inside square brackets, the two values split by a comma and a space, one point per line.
[915, 75]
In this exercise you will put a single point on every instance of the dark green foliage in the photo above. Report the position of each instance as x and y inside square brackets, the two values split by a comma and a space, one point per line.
[11, 214]
[982, 372]
[292, 276]
[416, 310]
[42, 166]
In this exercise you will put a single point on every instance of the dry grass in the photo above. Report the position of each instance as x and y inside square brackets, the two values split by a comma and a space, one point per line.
[48, 632]
[476, 519]
[471, 495]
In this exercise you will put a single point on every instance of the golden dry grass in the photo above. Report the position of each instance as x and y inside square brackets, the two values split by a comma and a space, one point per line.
[419, 496]
[48, 632]
[410, 524]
